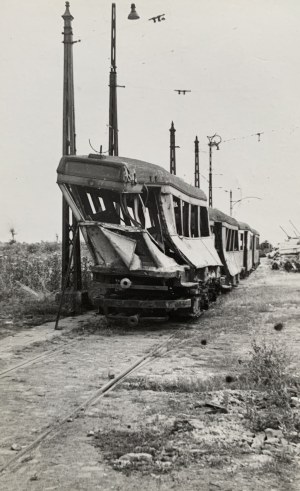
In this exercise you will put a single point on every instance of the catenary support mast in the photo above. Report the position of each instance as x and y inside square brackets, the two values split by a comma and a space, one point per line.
[172, 150]
[197, 171]
[113, 144]
[69, 224]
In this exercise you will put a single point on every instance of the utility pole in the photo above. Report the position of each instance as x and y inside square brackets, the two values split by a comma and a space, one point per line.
[197, 172]
[172, 150]
[213, 141]
[113, 144]
[230, 200]
[69, 223]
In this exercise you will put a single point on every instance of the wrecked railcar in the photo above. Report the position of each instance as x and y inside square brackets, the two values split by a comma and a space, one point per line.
[249, 238]
[148, 233]
[227, 243]
[237, 245]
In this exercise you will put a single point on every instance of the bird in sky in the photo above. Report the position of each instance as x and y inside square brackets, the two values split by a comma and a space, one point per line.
[158, 18]
[182, 91]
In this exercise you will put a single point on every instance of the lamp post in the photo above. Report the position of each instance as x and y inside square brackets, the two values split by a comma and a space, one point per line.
[69, 224]
[113, 141]
[213, 141]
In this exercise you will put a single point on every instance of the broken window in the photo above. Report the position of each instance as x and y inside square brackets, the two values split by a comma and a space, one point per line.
[241, 241]
[204, 225]
[186, 219]
[235, 240]
[251, 243]
[149, 209]
[99, 205]
[195, 221]
[178, 215]
[228, 239]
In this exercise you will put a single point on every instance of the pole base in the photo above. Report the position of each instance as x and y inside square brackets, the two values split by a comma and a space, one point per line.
[77, 300]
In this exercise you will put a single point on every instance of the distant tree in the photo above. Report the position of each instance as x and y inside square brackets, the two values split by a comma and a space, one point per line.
[13, 234]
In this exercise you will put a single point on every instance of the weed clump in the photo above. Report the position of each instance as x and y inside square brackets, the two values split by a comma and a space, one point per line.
[267, 377]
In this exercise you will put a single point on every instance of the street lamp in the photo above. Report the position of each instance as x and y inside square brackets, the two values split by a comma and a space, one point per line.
[113, 142]
[133, 13]
[213, 141]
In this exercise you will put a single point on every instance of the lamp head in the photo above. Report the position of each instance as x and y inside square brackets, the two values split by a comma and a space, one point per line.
[133, 13]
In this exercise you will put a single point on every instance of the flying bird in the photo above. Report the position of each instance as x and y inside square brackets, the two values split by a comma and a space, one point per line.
[158, 18]
[182, 91]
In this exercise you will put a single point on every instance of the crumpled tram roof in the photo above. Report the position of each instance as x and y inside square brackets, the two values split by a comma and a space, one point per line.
[218, 216]
[145, 172]
[245, 226]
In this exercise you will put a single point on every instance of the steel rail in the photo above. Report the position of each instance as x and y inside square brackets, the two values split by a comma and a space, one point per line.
[35, 359]
[157, 350]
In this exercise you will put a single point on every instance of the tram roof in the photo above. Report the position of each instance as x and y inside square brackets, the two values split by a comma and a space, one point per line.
[218, 216]
[143, 172]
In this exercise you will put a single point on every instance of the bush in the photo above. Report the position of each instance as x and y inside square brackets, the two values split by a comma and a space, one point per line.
[266, 375]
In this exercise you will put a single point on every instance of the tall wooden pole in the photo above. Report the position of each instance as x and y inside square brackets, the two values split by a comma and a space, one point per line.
[213, 141]
[172, 150]
[197, 171]
[210, 199]
[113, 144]
[69, 224]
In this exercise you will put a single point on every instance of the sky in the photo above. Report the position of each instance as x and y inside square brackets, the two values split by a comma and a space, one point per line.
[239, 58]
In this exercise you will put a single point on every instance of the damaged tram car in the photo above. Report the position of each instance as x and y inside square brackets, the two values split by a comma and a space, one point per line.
[148, 233]
[237, 245]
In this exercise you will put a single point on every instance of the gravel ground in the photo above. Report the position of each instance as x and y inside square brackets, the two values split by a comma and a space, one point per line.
[156, 429]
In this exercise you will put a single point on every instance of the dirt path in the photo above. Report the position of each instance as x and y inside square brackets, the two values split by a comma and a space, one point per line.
[157, 416]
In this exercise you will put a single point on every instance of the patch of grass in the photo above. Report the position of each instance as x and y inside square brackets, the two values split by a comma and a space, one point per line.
[188, 384]
[266, 375]
[30, 275]
[267, 369]
[115, 444]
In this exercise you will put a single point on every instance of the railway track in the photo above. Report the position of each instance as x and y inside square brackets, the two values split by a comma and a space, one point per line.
[36, 359]
[157, 349]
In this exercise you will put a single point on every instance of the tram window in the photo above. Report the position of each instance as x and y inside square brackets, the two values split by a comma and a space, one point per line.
[241, 241]
[194, 221]
[178, 215]
[91, 203]
[228, 239]
[149, 214]
[251, 243]
[204, 226]
[148, 223]
[100, 205]
[231, 240]
[235, 241]
[186, 219]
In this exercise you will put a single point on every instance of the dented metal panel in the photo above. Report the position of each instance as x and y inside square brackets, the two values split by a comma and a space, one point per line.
[199, 252]
[234, 261]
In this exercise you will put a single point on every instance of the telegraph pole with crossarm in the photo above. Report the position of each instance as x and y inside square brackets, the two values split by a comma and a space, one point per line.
[72, 275]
